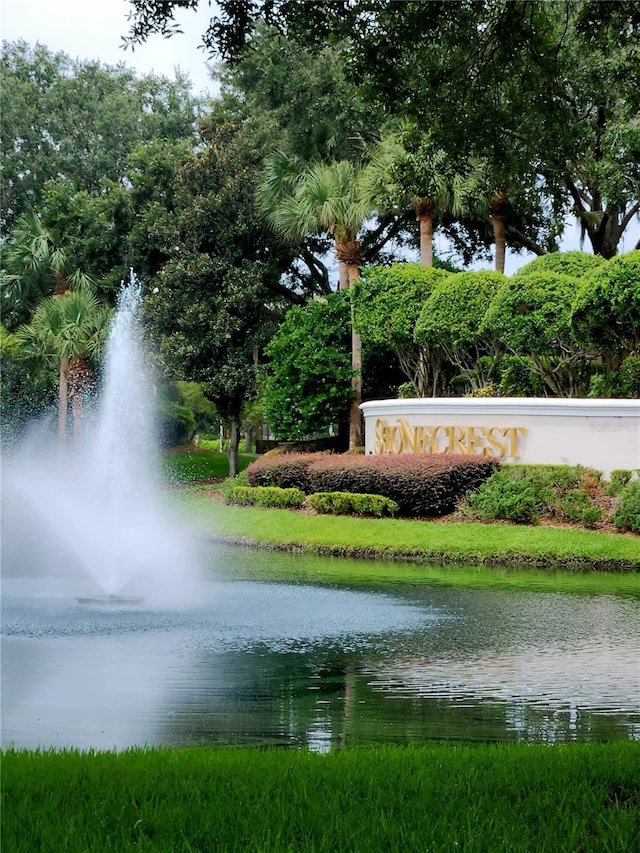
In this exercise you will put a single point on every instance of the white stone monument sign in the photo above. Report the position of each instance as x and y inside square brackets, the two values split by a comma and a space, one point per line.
[601, 434]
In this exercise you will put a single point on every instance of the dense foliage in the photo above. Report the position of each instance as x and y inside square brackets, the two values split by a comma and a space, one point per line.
[69, 129]
[542, 95]
[287, 471]
[491, 121]
[627, 515]
[265, 496]
[564, 325]
[308, 388]
[527, 494]
[422, 484]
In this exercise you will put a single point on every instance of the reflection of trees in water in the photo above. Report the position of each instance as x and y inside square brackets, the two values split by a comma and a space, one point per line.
[327, 699]
[271, 697]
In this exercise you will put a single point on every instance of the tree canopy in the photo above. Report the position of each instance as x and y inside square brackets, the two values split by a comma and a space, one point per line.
[78, 122]
[545, 94]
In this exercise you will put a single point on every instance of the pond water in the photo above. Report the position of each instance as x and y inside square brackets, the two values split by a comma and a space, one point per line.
[315, 665]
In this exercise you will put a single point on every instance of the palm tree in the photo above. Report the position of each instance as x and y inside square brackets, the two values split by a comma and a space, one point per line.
[407, 169]
[34, 265]
[333, 198]
[69, 330]
[498, 207]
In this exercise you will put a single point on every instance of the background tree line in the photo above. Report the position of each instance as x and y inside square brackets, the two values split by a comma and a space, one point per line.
[342, 136]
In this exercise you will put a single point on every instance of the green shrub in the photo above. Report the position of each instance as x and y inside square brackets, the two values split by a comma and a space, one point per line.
[231, 482]
[591, 515]
[240, 496]
[348, 503]
[267, 496]
[548, 477]
[574, 503]
[627, 515]
[629, 376]
[619, 479]
[503, 498]
[522, 493]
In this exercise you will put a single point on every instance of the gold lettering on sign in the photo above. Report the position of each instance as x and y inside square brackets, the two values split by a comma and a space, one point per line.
[494, 442]
[500, 446]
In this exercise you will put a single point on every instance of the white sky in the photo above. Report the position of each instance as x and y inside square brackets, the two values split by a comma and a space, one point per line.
[93, 29]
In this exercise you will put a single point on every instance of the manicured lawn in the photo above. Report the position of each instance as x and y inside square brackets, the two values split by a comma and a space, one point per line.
[192, 465]
[470, 543]
[517, 797]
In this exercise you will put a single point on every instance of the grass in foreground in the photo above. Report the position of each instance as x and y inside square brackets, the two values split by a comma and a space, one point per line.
[582, 797]
[470, 543]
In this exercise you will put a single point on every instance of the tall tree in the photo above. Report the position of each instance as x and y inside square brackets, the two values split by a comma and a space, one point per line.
[407, 169]
[69, 330]
[35, 265]
[332, 198]
[63, 119]
[216, 298]
[546, 92]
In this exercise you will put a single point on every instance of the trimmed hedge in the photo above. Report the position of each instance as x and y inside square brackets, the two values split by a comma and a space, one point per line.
[421, 484]
[287, 471]
[271, 496]
[347, 503]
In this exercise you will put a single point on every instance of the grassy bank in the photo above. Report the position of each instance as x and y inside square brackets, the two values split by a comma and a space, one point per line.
[500, 798]
[468, 543]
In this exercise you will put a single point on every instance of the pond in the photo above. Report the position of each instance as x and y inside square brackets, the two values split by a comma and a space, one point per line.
[317, 665]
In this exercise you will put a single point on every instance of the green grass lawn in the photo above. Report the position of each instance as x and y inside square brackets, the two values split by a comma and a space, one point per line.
[516, 797]
[466, 542]
[191, 465]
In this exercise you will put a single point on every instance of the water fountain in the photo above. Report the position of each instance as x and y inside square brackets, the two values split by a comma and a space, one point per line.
[95, 509]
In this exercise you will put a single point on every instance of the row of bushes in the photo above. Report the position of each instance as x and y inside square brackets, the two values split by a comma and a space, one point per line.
[334, 503]
[436, 484]
[526, 493]
[420, 485]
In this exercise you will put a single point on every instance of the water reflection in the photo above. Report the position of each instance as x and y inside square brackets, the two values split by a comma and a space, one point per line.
[301, 665]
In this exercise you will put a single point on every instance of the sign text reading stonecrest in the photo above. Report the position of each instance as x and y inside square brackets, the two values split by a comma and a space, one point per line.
[494, 441]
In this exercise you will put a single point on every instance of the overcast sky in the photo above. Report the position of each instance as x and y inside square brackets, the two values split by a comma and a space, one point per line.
[93, 29]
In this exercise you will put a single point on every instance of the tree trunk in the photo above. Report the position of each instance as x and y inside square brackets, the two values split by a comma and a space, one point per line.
[234, 438]
[80, 380]
[424, 214]
[77, 410]
[343, 274]
[355, 414]
[498, 209]
[63, 396]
